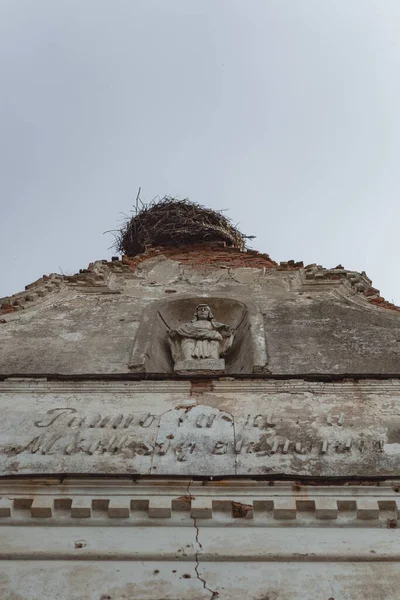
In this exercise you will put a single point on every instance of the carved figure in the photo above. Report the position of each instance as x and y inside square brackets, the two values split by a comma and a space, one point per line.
[199, 339]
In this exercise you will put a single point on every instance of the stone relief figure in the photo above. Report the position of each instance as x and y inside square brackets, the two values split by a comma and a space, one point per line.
[200, 343]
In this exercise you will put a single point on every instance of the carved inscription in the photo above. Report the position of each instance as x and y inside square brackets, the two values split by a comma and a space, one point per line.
[70, 418]
[183, 433]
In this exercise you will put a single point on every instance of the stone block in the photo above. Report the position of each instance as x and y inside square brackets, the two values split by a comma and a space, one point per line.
[245, 274]
[6, 506]
[284, 508]
[326, 508]
[367, 508]
[200, 365]
[42, 507]
[201, 508]
[164, 273]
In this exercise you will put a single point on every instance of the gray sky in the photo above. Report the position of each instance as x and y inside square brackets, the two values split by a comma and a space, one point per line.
[286, 112]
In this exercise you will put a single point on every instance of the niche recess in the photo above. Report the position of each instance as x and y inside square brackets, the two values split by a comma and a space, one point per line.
[248, 354]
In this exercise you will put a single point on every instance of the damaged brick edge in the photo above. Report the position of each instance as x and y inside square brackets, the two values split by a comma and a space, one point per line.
[214, 255]
[95, 278]
[359, 282]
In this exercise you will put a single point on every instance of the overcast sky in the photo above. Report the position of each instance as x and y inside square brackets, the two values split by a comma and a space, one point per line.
[285, 112]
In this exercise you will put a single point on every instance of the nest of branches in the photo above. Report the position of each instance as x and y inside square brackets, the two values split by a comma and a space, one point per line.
[171, 222]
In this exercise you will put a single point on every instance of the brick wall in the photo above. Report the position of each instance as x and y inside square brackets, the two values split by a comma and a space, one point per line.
[213, 254]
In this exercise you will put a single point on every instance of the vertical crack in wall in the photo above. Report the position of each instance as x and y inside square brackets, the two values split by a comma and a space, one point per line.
[214, 594]
[234, 445]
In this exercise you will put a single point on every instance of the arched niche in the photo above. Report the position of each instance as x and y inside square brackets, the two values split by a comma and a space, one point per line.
[151, 351]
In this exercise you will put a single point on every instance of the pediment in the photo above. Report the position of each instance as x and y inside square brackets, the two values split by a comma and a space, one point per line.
[302, 322]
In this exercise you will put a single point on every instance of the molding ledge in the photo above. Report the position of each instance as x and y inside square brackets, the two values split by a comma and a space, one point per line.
[177, 503]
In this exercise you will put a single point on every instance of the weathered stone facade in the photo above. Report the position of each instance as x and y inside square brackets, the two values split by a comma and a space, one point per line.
[274, 475]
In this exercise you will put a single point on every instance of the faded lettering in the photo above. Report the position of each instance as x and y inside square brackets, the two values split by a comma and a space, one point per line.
[53, 415]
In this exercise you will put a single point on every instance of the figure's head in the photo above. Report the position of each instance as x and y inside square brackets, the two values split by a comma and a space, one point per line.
[203, 313]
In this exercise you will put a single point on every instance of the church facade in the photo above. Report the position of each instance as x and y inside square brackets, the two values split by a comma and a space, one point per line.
[200, 422]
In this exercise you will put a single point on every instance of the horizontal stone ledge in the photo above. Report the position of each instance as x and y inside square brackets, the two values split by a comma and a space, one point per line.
[201, 506]
[204, 557]
[128, 383]
[253, 486]
[180, 544]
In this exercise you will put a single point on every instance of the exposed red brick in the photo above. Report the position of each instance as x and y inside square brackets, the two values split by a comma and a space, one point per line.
[290, 265]
[199, 386]
[210, 255]
[240, 510]
[7, 308]
[384, 303]
[371, 292]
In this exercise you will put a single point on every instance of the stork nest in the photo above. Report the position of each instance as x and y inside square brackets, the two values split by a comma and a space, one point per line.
[171, 222]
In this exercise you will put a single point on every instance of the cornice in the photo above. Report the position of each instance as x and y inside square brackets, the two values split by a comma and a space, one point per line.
[42, 386]
[169, 502]
[97, 278]
[101, 277]
[353, 285]
[22, 385]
